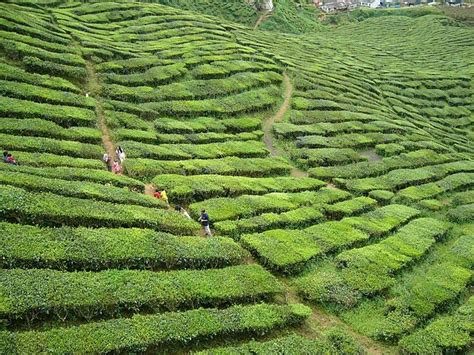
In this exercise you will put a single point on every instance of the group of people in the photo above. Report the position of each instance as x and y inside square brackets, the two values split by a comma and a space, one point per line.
[203, 218]
[8, 158]
[116, 166]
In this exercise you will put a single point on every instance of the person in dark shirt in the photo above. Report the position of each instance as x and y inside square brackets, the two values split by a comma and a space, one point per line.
[204, 220]
[5, 156]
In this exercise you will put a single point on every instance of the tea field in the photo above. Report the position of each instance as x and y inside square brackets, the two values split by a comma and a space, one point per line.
[336, 165]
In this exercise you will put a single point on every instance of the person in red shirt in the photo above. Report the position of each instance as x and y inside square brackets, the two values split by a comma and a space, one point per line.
[116, 168]
[157, 194]
[11, 160]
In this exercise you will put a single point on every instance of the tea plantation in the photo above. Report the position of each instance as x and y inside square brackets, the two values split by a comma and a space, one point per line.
[337, 168]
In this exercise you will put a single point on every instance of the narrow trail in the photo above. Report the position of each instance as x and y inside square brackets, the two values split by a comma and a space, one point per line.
[262, 18]
[320, 321]
[150, 190]
[268, 124]
[93, 88]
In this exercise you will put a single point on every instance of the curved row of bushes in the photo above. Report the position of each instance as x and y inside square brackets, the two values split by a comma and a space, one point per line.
[142, 332]
[65, 248]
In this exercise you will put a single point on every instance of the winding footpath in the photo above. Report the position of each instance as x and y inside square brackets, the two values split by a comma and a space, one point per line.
[94, 88]
[262, 18]
[278, 117]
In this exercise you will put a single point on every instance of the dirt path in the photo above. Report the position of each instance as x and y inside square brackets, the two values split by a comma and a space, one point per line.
[93, 88]
[320, 321]
[268, 124]
[262, 18]
[150, 189]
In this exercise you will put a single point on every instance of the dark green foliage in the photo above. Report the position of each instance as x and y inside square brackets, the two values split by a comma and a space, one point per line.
[79, 174]
[79, 189]
[462, 214]
[370, 269]
[200, 187]
[48, 145]
[48, 209]
[291, 344]
[181, 327]
[96, 249]
[85, 294]
[252, 167]
[445, 334]
[284, 251]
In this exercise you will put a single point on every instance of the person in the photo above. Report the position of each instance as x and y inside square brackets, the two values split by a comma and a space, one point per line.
[157, 194]
[11, 160]
[204, 220]
[164, 197]
[181, 210]
[106, 160]
[120, 154]
[5, 156]
[116, 168]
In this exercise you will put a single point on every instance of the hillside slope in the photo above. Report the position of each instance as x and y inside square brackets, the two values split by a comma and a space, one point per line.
[336, 167]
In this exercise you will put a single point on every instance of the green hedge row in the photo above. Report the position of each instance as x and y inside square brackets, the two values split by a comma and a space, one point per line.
[282, 250]
[223, 69]
[246, 149]
[41, 94]
[327, 156]
[41, 160]
[68, 248]
[85, 294]
[32, 26]
[53, 210]
[131, 65]
[300, 103]
[402, 178]
[310, 117]
[77, 73]
[246, 102]
[383, 220]
[38, 42]
[193, 89]
[297, 218]
[151, 137]
[77, 174]
[349, 140]
[63, 115]
[10, 72]
[335, 235]
[220, 209]
[80, 189]
[290, 344]
[432, 189]
[350, 207]
[447, 334]
[153, 76]
[49, 145]
[290, 130]
[142, 332]
[115, 119]
[462, 214]
[444, 280]
[207, 124]
[18, 50]
[253, 167]
[389, 149]
[41, 128]
[370, 269]
[201, 187]
[413, 159]
[246, 206]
